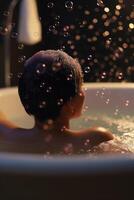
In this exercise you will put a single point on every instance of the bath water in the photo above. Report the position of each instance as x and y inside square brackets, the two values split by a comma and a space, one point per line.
[121, 126]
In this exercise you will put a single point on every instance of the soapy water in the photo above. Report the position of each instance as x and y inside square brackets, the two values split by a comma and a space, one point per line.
[122, 128]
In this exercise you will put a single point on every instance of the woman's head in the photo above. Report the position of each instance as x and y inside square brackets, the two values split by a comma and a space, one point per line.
[50, 80]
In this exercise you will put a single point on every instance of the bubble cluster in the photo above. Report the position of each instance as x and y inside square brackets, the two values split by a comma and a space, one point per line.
[100, 36]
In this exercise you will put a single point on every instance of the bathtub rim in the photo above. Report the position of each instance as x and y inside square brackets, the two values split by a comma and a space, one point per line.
[28, 164]
[98, 85]
[12, 163]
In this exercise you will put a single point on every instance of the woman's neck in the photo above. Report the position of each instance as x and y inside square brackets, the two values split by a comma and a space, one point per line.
[52, 125]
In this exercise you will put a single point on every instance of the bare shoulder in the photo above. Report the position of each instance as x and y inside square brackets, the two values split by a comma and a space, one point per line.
[96, 135]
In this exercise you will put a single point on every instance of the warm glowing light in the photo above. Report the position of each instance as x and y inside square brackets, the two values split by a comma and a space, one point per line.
[131, 25]
[118, 7]
[106, 33]
[106, 9]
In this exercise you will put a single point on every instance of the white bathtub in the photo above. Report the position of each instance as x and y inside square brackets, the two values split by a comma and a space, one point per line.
[96, 98]
[102, 178]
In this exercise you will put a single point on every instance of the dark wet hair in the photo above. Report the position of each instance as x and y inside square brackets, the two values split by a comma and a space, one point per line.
[50, 79]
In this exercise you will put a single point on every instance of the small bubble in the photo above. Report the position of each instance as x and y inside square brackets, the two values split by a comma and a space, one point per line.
[19, 75]
[49, 89]
[14, 35]
[63, 48]
[42, 104]
[103, 75]
[90, 57]
[42, 85]
[21, 59]
[87, 69]
[80, 94]
[116, 111]
[60, 102]
[57, 17]
[102, 94]
[66, 34]
[107, 101]
[56, 23]
[3, 30]
[40, 68]
[106, 9]
[85, 89]
[50, 5]
[100, 3]
[70, 77]
[63, 128]
[20, 46]
[86, 108]
[6, 13]
[52, 28]
[127, 102]
[97, 93]
[69, 5]
[10, 76]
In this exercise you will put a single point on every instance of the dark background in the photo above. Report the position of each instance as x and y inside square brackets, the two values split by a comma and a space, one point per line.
[79, 31]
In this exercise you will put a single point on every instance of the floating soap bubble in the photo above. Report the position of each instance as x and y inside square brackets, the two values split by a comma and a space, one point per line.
[86, 143]
[69, 5]
[21, 59]
[70, 77]
[52, 28]
[107, 101]
[119, 75]
[87, 69]
[116, 111]
[6, 13]
[3, 30]
[90, 57]
[42, 104]
[40, 68]
[97, 93]
[42, 85]
[102, 94]
[63, 48]
[19, 75]
[50, 5]
[20, 46]
[14, 35]
[103, 75]
[57, 17]
[49, 89]
[56, 24]
[66, 34]
[127, 102]
[60, 102]
[10, 76]
[100, 3]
